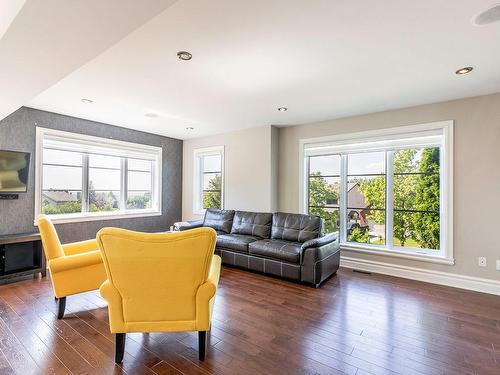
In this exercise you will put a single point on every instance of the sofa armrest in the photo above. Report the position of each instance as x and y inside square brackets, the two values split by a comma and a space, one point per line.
[320, 259]
[321, 241]
[318, 249]
[189, 225]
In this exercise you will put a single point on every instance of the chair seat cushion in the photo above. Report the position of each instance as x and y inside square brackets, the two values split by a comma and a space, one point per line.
[277, 249]
[237, 242]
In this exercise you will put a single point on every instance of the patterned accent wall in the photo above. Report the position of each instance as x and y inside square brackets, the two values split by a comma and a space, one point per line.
[17, 133]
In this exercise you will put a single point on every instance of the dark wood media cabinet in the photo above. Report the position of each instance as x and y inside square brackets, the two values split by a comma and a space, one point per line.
[21, 255]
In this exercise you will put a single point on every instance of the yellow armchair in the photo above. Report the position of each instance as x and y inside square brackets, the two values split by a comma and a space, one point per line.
[74, 267]
[159, 282]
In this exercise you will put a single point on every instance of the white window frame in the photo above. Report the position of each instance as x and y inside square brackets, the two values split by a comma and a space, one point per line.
[128, 149]
[198, 154]
[386, 138]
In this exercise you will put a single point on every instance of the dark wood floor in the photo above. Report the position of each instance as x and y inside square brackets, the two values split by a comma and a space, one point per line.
[355, 324]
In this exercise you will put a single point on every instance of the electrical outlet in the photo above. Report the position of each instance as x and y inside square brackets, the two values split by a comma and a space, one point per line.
[498, 264]
[482, 261]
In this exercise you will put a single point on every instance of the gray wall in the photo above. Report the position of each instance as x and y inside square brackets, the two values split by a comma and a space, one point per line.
[17, 133]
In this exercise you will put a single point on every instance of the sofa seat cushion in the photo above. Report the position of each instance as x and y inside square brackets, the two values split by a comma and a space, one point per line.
[277, 249]
[237, 242]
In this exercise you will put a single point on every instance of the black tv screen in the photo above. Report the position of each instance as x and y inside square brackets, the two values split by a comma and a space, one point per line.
[14, 168]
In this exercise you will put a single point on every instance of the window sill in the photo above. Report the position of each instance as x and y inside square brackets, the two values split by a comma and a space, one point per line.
[96, 216]
[405, 254]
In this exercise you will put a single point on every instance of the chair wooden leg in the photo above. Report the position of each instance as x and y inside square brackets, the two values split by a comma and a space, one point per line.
[202, 344]
[62, 307]
[120, 347]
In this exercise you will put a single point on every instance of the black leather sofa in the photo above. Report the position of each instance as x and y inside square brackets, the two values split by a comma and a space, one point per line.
[291, 246]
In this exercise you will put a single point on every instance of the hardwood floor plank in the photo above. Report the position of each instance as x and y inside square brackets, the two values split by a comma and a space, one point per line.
[15, 354]
[354, 324]
[38, 350]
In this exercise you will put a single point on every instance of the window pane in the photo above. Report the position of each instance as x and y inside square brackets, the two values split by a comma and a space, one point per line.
[330, 216]
[62, 178]
[324, 191]
[139, 165]
[139, 181]
[104, 200]
[416, 229]
[405, 191]
[139, 200]
[366, 163]
[418, 192]
[104, 179]
[366, 226]
[212, 181]
[212, 163]
[212, 199]
[426, 160]
[61, 157]
[103, 161]
[61, 202]
[366, 192]
[139, 175]
[324, 165]
[429, 161]
[406, 161]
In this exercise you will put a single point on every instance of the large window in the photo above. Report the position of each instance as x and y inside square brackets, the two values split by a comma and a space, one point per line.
[88, 178]
[209, 178]
[387, 192]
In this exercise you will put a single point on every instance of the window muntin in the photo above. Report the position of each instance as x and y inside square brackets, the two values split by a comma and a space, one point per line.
[209, 178]
[81, 176]
[409, 213]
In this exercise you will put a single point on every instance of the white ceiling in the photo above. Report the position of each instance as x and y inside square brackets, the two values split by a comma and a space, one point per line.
[322, 59]
[42, 42]
[8, 11]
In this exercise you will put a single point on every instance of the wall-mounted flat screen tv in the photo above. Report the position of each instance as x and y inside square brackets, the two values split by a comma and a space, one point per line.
[14, 170]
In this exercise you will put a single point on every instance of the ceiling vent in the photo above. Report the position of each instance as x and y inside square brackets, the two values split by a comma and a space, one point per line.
[488, 16]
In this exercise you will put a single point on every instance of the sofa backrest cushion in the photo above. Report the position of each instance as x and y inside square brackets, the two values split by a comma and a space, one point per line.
[220, 220]
[256, 224]
[296, 227]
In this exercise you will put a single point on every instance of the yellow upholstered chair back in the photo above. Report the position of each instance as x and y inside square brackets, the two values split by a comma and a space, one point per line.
[155, 277]
[50, 240]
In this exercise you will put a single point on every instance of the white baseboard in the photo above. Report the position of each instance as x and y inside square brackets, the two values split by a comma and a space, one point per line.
[442, 278]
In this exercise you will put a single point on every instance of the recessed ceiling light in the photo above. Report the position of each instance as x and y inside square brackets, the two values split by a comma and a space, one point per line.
[87, 101]
[488, 16]
[465, 70]
[183, 55]
[282, 109]
[151, 115]
[189, 128]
